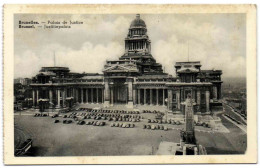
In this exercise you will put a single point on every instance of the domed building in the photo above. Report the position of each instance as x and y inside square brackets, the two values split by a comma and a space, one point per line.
[135, 79]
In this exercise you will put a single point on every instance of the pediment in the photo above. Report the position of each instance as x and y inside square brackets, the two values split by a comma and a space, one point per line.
[116, 68]
[120, 68]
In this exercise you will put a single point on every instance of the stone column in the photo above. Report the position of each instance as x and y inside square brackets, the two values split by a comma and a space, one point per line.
[73, 94]
[170, 99]
[178, 99]
[112, 95]
[63, 98]
[58, 96]
[76, 94]
[86, 95]
[139, 96]
[33, 97]
[92, 95]
[97, 95]
[130, 94]
[134, 96]
[219, 92]
[81, 95]
[50, 98]
[144, 96]
[163, 97]
[157, 97]
[37, 97]
[151, 97]
[106, 93]
[215, 92]
[102, 95]
[198, 99]
[207, 100]
[182, 95]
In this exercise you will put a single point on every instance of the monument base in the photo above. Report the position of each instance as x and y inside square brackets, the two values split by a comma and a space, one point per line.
[130, 104]
[106, 104]
[171, 148]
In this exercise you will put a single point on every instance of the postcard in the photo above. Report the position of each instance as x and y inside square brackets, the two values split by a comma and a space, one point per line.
[129, 84]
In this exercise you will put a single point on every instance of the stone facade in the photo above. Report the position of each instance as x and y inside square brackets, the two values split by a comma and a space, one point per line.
[135, 79]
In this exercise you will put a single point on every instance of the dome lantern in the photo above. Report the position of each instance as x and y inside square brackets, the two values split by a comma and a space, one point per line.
[137, 22]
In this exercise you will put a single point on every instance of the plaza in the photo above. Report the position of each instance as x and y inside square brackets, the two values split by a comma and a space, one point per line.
[58, 139]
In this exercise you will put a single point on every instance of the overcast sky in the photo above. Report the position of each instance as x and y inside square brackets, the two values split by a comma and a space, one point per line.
[217, 40]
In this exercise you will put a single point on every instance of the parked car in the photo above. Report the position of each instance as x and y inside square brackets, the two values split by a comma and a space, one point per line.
[55, 115]
[67, 121]
[81, 122]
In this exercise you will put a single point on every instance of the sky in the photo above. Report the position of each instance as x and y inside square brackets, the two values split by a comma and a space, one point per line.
[217, 40]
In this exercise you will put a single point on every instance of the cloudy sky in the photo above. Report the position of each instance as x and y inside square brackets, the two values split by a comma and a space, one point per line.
[217, 40]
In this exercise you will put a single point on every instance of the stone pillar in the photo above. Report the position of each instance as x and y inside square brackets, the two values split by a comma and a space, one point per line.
[63, 98]
[198, 99]
[157, 97]
[144, 96]
[92, 95]
[207, 100]
[139, 96]
[182, 95]
[97, 95]
[50, 98]
[151, 96]
[134, 96]
[178, 99]
[163, 97]
[106, 94]
[130, 94]
[219, 92]
[37, 97]
[73, 94]
[112, 95]
[33, 97]
[58, 96]
[66, 93]
[86, 95]
[81, 95]
[102, 95]
[170, 99]
[215, 92]
[77, 95]
[189, 121]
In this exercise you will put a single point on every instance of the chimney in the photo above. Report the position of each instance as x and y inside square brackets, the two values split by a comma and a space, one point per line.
[137, 16]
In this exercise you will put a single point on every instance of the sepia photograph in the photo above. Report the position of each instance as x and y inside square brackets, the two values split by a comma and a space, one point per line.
[130, 84]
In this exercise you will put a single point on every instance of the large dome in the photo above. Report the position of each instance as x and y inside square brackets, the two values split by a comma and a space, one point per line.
[137, 22]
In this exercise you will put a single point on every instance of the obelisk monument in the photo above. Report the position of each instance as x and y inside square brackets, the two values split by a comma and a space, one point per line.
[188, 134]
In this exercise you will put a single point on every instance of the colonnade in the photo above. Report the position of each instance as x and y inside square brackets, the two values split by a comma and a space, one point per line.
[138, 96]
[151, 96]
[136, 45]
[79, 95]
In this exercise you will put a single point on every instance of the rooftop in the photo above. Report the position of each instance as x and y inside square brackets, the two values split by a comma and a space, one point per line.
[188, 63]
